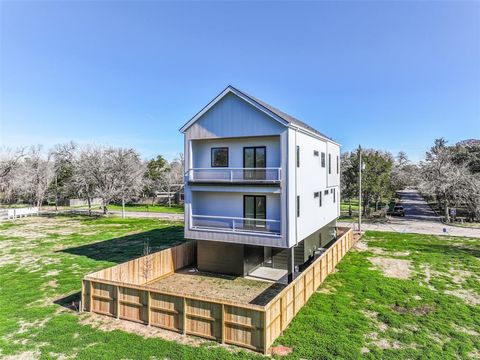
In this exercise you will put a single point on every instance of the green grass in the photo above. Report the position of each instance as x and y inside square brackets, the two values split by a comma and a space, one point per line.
[174, 209]
[42, 261]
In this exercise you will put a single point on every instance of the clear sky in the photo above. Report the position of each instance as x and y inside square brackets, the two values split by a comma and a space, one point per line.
[388, 75]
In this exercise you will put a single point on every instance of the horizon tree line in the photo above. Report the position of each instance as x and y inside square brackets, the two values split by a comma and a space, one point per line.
[113, 174]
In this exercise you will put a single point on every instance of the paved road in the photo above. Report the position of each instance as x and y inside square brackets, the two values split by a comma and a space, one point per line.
[419, 218]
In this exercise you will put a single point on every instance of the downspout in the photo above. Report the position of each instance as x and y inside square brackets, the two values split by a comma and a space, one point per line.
[296, 188]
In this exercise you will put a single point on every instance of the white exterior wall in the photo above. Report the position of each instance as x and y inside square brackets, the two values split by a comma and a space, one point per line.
[307, 179]
[230, 204]
[201, 150]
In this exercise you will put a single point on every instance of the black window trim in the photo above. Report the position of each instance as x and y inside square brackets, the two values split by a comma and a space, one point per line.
[298, 205]
[329, 163]
[255, 154]
[322, 160]
[219, 148]
[298, 155]
[255, 208]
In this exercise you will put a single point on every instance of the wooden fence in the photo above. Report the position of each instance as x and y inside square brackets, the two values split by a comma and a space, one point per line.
[123, 292]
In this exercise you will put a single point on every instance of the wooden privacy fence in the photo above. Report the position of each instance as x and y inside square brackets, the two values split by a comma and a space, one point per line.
[123, 292]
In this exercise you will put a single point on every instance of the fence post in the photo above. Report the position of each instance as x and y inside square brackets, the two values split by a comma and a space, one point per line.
[222, 323]
[148, 307]
[184, 318]
[118, 302]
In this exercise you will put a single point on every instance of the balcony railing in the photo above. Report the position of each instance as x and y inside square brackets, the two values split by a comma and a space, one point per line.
[236, 224]
[233, 175]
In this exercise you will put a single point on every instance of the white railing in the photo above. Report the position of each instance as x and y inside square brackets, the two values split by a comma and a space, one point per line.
[235, 174]
[236, 224]
[21, 212]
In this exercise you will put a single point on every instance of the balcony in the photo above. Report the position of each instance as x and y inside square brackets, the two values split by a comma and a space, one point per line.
[266, 176]
[236, 224]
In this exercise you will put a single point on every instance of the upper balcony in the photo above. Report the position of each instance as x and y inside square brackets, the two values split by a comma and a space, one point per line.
[254, 176]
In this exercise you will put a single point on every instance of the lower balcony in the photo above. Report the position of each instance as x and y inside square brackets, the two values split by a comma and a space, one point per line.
[236, 224]
[267, 176]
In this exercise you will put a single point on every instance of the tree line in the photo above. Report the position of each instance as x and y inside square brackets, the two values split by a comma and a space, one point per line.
[32, 175]
[449, 176]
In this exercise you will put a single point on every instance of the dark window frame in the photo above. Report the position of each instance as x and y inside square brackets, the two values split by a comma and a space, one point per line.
[338, 165]
[325, 192]
[322, 160]
[316, 194]
[212, 157]
[320, 202]
[329, 163]
[298, 205]
[255, 208]
[255, 154]
[316, 153]
[298, 156]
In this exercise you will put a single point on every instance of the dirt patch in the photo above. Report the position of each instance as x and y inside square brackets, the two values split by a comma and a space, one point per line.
[464, 330]
[27, 355]
[281, 350]
[419, 310]
[361, 246]
[373, 316]
[215, 286]
[468, 296]
[394, 268]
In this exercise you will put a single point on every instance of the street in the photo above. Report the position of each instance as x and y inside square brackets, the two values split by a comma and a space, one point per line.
[419, 218]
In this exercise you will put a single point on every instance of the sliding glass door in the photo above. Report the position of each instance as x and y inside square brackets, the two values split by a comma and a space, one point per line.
[254, 207]
[254, 157]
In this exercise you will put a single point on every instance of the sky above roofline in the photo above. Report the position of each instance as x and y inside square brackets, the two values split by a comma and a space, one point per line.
[387, 75]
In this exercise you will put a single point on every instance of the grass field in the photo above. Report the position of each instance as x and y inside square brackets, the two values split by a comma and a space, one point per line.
[175, 209]
[396, 296]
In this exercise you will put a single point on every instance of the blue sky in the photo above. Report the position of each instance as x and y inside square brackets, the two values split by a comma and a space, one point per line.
[388, 75]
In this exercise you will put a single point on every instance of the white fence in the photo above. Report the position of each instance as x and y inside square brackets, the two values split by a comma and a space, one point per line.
[18, 212]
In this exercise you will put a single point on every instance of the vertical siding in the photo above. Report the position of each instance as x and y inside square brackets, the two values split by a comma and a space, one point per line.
[233, 117]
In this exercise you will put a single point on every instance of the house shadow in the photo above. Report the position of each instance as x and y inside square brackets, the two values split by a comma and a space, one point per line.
[129, 247]
[70, 302]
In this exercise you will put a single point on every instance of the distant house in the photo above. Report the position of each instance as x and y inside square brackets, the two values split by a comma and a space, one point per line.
[262, 188]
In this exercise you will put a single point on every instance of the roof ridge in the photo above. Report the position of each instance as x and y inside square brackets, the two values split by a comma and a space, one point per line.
[288, 118]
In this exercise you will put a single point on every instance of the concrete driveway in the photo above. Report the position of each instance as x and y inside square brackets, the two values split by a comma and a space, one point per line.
[419, 218]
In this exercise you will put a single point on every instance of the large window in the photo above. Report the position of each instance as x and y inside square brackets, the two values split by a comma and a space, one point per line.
[255, 160]
[254, 207]
[329, 163]
[220, 157]
[323, 159]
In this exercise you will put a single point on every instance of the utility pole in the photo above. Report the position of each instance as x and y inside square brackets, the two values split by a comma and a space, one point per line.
[359, 189]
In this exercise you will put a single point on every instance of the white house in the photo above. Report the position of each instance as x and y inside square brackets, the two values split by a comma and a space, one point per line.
[262, 188]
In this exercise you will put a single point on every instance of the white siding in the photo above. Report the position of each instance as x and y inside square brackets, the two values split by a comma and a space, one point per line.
[202, 150]
[230, 204]
[233, 117]
[307, 179]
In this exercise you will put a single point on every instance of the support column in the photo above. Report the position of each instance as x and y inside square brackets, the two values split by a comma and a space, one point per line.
[290, 263]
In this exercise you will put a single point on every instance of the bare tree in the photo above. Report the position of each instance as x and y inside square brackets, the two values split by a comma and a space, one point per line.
[129, 171]
[9, 162]
[32, 178]
[63, 156]
[83, 179]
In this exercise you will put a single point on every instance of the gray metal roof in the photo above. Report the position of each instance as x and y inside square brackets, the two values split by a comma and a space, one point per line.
[288, 118]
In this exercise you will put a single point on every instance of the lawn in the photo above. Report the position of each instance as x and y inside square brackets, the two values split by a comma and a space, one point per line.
[174, 209]
[429, 309]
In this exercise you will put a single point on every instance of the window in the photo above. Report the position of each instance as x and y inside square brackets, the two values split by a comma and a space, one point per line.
[323, 159]
[338, 165]
[298, 156]
[220, 157]
[315, 152]
[320, 199]
[254, 157]
[254, 207]
[329, 163]
[326, 192]
[298, 205]
[334, 193]
[316, 194]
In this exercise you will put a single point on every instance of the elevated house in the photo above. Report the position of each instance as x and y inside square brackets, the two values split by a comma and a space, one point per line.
[262, 188]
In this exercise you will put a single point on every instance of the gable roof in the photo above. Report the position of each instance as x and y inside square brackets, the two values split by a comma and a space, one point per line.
[275, 113]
